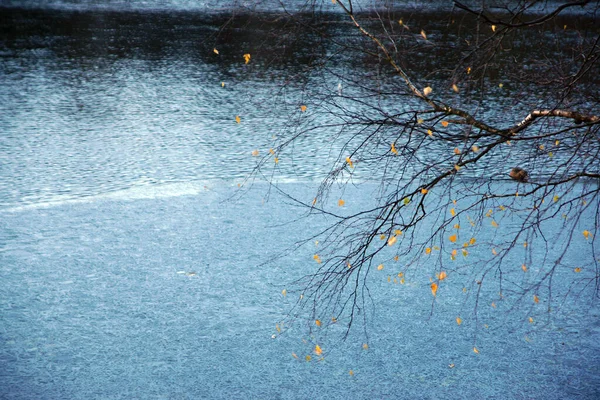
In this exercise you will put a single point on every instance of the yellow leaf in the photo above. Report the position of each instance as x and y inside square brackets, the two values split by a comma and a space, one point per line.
[428, 250]
[494, 252]
[536, 299]
[402, 281]
[382, 236]
[541, 147]
[222, 84]
[444, 123]
[442, 275]
[365, 346]
[284, 292]
[424, 37]
[458, 320]
[436, 247]
[255, 153]
[318, 350]
[452, 238]
[295, 355]
[215, 51]
[314, 201]
[396, 258]
[277, 327]
[494, 224]
[271, 151]
[317, 258]
[500, 85]
[586, 234]
[420, 121]
[455, 88]
[493, 304]
[276, 160]
[318, 322]
[524, 268]
[472, 241]
[341, 202]
[333, 319]
[349, 161]
[475, 148]
[530, 320]
[427, 91]
[247, 58]
[429, 132]
[452, 212]
[456, 151]
[391, 241]
[457, 167]
[475, 350]
[456, 226]
[578, 270]
[468, 70]
[465, 252]
[434, 288]
[556, 198]
[397, 232]
[464, 290]
[424, 191]
[524, 244]
[351, 373]
[238, 119]
[406, 200]
[400, 274]
[380, 267]
[493, 28]
[389, 278]
[303, 108]
[394, 150]
[308, 358]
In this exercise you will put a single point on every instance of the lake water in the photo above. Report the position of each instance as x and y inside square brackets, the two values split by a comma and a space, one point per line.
[131, 266]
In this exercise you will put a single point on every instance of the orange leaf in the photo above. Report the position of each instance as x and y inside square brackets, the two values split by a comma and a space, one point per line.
[452, 238]
[458, 320]
[434, 288]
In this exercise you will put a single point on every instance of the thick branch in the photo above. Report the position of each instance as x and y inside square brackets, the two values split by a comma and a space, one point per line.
[577, 117]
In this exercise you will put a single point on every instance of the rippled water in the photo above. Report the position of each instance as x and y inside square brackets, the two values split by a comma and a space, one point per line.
[129, 267]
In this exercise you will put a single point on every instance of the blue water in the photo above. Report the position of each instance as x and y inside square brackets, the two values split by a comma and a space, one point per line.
[134, 255]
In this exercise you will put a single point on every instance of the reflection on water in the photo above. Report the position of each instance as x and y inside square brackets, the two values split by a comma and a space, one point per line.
[92, 102]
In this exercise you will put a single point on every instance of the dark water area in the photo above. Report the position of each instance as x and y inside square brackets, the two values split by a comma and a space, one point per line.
[131, 267]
